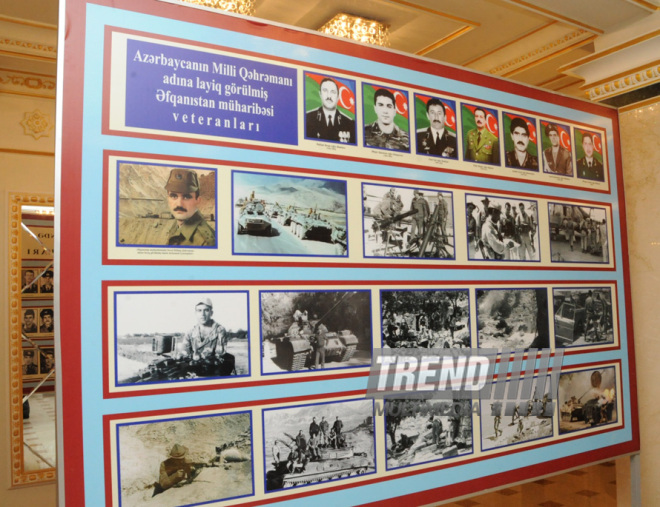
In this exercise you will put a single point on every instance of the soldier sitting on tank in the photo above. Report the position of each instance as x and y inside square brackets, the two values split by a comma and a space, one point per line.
[205, 344]
[313, 446]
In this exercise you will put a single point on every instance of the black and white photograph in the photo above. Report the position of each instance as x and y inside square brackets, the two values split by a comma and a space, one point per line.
[29, 284]
[185, 461]
[46, 321]
[46, 282]
[165, 205]
[502, 228]
[30, 323]
[529, 420]
[288, 215]
[513, 318]
[425, 318]
[46, 360]
[587, 399]
[180, 336]
[315, 330]
[578, 233]
[583, 316]
[408, 222]
[422, 431]
[30, 362]
[314, 444]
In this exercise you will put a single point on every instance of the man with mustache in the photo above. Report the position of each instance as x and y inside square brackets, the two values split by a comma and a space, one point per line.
[436, 139]
[481, 144]
[519, 157]
[327, 122]
[383, 133]
[183, 199]
[557, 159]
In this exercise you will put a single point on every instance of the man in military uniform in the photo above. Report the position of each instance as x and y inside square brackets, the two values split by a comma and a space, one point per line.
[495, 246]
[519, 157]
[29, 368]
[421, 205]
[27, 286]
[337, 426]
[384, 133]
[46, 321]
[526, 229]
[327, 122]
[556, 159]
[175, 469]
[320, 342]
[588, 167]
[205, 344]
[481, 144]
[183, 199]
[47, 282]
[442, 216]
[29, 325]
[436, 139]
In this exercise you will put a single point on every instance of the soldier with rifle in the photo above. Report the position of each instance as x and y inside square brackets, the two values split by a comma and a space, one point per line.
[176, 470]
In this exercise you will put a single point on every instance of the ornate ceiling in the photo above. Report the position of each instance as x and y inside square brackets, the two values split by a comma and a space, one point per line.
[591, 49]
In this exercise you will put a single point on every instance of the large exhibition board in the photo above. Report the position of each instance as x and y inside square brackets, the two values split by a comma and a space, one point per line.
[204, 196]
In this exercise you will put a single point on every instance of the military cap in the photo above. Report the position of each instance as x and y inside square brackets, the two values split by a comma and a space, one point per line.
[205, 301]
[495, 206]
[485, 200]
[46, 311]
[48, 273]
[182, 181]
[178, 451]
[518, 122]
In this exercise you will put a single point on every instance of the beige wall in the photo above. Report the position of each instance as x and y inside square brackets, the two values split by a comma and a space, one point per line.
[26, 165]
[640, 135]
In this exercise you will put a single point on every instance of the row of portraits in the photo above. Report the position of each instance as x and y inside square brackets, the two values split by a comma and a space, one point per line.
[304, 446]
[166, 337]
[292, 215]
[37, 321]
[35, 281]
[516, 140]
[38, 361]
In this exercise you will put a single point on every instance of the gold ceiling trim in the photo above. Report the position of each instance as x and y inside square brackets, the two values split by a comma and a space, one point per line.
[507, 44]
[27, 22]
[620, 75]
[568, 85]
[548, 82]
[26, 49]
[646, 5]
[536, 56]
[445, 40]
[436, 13]
[554, 15]
[609, 51]
[244, 7]
[27, 152]
[638, 105]
[626, 84]
[12, 81]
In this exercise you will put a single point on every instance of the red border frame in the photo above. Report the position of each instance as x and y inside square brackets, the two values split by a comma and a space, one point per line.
[568, 266]
[106, 130]
[72, 85]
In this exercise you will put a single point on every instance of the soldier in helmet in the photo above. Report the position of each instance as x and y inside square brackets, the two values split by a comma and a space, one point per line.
[184, 200]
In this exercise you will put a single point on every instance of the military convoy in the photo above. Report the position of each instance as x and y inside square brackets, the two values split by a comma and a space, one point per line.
[254, 219]
[311, 226]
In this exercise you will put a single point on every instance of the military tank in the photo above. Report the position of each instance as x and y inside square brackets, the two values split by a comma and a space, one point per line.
[295, 352]
[254, 219]
[333, 464]
[311, 226]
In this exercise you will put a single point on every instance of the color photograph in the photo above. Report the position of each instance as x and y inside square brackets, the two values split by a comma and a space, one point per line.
[557, 154]
[386, 118]
[587, 399]
[589, 155]
[435, 121]
[520, 142]
[329, 108]
[481, 134]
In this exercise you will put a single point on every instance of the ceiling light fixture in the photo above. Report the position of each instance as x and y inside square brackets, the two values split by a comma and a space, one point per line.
[245, 7]
[360, 29]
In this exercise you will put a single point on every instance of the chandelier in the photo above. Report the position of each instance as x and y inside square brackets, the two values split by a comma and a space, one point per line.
[364, 30]
[245, 7]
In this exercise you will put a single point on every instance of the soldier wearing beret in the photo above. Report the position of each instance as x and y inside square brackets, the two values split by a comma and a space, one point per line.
[46, 321]
[482, 146]
[519, 157]
[184, 200]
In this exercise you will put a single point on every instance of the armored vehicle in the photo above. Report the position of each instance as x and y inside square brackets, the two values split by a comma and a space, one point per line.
[332, 464]
[253, 219]
[295, 352]
[311, 226]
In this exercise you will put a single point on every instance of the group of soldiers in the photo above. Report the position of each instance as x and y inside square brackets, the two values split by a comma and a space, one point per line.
[502, 234]
[592, 234]
[389, 212]
[304, 450]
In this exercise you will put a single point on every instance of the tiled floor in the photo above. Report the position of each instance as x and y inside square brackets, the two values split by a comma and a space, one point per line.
[39, 432]
[593, 486]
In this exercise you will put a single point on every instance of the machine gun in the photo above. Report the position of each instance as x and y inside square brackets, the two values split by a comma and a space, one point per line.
[384, 223]
[167, 367]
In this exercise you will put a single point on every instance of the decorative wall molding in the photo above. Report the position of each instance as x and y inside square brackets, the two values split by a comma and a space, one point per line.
[28, 48]
[37, 124]
[27, 83]
[625, 84]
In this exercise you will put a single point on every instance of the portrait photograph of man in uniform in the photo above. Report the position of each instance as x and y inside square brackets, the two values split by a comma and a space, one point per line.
[589, 154]
[166, 206]
[330, 109]
[480, 134]
[520, 143]
[386, 119]
[170, 336]
[435, 122]
[557, 156]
